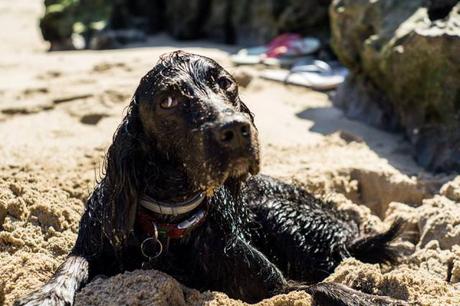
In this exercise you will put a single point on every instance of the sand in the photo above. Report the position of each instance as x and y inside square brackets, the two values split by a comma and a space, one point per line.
[58, 112]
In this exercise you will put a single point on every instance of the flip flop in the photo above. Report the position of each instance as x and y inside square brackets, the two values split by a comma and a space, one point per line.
[288, 52]
[318, 75]
[254, 55]
[285, 62]
[288, 46]
[248, 56]
[292, 45]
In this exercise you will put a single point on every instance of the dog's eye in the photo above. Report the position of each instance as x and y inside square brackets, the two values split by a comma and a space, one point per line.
[224, 83]
[168, 103]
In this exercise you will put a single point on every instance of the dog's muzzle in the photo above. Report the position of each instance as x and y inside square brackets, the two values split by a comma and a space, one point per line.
[233, 134]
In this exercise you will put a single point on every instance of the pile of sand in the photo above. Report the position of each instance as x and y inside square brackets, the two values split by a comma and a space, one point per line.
[142, 288]
[58, 112]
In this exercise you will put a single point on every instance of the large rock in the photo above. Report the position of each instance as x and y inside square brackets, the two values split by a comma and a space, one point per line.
[256, 22]
[244, 21]
[185, 19]
[230, 21]
[405, 63]
[305, 17]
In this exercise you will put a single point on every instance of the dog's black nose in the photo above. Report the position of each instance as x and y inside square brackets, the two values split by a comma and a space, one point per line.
[234, 134]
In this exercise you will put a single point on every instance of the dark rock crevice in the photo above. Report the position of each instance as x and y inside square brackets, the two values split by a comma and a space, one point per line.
[440, 9]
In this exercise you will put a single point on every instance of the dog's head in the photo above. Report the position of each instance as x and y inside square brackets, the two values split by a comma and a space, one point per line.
[186, 130]
[190, 108]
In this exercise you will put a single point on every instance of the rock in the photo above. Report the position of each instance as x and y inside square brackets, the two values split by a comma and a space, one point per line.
[63, 18]
[240, 21]
[111, 39]
[185, 19]
[404, 72]
[230, 21]
[293, 17]
[246, 22]
[102, 24]
[218, 26]
[144, 15]
[256, 22]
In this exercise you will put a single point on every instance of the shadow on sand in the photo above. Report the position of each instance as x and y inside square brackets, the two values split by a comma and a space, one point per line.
[390, 146]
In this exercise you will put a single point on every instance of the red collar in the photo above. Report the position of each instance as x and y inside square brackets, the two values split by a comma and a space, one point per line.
[153, 228]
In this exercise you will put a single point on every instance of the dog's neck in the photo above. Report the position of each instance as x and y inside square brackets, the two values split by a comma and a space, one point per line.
[169, 202]
[168, 182]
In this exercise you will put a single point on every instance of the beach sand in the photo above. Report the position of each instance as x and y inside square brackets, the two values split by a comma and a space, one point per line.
[58, 112]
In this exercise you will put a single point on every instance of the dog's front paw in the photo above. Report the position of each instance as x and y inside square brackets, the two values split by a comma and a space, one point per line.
[43, 298]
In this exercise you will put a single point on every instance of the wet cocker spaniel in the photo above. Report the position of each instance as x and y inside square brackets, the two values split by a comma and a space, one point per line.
[181, 194]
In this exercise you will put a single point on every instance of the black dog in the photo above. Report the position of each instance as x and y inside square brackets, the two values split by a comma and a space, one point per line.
[178, 196]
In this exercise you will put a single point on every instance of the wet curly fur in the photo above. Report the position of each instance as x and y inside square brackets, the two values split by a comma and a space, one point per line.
[261, 236]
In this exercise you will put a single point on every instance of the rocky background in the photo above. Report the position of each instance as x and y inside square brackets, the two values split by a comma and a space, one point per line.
[405, 63]
[243, 22]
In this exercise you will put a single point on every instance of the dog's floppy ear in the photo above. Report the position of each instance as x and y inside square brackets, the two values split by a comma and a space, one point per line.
[122, 178]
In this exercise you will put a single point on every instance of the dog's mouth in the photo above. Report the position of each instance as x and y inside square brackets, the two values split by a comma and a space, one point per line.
[222, 153]
[240, 167]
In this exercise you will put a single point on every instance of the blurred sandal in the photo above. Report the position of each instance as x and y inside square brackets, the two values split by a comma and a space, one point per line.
[286, 47]
[317, 75]
[248, 56]
[290, 51]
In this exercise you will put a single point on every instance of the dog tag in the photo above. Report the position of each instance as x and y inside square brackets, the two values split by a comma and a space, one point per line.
[151, 248]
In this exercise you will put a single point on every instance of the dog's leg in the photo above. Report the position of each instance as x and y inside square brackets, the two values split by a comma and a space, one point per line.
[76, 269]
[61, 288]
[258, 278]
[249, 274]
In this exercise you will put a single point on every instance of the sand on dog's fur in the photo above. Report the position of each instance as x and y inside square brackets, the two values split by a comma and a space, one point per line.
[58, 112]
